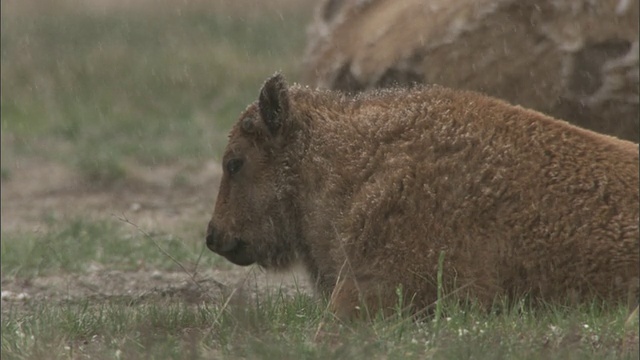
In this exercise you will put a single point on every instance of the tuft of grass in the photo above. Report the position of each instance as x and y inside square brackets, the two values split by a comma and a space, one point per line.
[438, 314]
[5, 174]
[101, 169]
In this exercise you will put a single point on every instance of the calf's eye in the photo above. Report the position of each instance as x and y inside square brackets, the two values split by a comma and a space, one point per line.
[234, 165]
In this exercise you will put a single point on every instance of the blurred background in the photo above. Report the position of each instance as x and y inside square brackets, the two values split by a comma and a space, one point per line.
[98, 84]
[576, 60]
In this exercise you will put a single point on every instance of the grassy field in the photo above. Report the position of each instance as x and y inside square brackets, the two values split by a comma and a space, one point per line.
[295, 327]
[113, 116]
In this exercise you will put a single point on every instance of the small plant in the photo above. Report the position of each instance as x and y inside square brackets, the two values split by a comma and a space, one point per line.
[439, 300]
[101, 170]
[5, 174]
[180, 180]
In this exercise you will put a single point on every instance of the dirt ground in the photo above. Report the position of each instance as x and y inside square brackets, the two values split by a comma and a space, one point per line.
[147, 199]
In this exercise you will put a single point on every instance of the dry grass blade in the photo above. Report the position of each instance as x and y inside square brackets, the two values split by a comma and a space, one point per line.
[192, 275]
[632, 320]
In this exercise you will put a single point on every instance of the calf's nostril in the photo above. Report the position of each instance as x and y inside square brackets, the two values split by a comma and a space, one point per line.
[228, 245]
[219, 243]
[210, 238]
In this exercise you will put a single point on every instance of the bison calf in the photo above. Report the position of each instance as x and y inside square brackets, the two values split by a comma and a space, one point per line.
[367, 192]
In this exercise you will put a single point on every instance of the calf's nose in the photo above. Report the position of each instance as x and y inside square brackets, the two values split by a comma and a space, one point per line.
[218, 242]
[211, 237]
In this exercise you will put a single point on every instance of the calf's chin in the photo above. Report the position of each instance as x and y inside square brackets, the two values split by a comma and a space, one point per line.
[239, 254]
[232, 248]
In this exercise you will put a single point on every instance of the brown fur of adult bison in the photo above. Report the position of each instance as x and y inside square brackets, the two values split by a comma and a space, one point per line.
[367, 191]
[573, 59]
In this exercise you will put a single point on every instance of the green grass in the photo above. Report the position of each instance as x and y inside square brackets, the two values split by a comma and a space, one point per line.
[153, 87]
[71, 245]
[101, 169]
[297, 327]
[5, 174]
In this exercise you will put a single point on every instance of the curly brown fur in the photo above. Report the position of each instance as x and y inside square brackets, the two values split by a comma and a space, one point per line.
[367, 191]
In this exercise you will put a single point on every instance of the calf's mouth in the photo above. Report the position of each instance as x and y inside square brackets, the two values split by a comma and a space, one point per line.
[233, 249]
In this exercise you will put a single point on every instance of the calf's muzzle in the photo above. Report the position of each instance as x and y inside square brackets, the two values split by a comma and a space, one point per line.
[233, 249]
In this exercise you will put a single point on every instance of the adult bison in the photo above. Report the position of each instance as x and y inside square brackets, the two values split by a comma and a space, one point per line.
[576, 60]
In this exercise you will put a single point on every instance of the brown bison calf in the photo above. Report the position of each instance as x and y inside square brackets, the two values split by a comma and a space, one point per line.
[367, 192]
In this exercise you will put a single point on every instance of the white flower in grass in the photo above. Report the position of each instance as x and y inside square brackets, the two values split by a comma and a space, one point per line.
[554, 329]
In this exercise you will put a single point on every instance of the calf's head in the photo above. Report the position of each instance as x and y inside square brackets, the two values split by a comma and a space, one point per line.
[253, 217]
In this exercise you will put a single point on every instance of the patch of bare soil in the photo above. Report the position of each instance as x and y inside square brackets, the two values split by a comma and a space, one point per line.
[99, 285]
[39, 189]
[149, 199]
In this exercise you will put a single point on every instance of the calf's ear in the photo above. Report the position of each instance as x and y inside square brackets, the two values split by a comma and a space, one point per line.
[273, 103]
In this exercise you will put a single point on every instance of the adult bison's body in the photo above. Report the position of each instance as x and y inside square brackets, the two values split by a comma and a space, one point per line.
[572, 59]
[367, 192]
